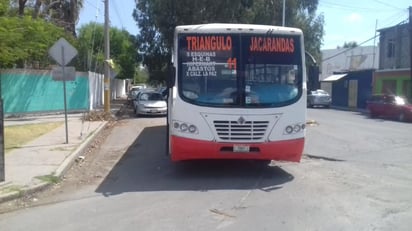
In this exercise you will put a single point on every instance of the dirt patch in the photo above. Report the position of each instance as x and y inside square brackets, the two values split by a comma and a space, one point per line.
[89, 169]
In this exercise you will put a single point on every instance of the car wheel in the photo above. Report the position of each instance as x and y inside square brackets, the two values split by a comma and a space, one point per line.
[401, 117]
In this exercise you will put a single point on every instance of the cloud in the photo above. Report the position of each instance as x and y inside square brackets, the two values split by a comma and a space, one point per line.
[353, 18]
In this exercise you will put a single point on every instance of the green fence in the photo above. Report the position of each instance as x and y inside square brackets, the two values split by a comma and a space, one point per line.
[31, 91]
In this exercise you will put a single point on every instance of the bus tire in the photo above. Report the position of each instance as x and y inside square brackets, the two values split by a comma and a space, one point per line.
[262, 162]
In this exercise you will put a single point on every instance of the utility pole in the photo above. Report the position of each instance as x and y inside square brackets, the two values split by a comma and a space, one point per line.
[374, 44]
[410, 52]
[106, 57]
[2, 151]
[283, 13]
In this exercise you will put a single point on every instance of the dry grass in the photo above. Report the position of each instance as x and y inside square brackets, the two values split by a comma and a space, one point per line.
[99, 116]
[17, 136]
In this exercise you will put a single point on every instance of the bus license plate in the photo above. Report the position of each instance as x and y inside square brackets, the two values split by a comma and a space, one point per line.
[241, 148]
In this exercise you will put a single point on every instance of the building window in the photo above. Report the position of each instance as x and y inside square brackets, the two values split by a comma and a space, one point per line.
[391, 49]
[389, 86]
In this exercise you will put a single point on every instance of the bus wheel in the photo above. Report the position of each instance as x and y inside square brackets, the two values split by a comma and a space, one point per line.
[262, 162]
[266, 162]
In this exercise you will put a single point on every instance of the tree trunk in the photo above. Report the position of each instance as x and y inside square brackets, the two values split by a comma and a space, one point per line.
[22, 5]
[36, 9]
[72, 17]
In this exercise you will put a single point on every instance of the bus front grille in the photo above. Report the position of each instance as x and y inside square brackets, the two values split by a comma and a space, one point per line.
[245, 131]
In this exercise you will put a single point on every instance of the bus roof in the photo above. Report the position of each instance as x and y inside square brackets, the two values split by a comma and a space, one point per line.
[236, 28]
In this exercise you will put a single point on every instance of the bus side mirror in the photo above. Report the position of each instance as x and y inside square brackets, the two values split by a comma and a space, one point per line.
[171, 80]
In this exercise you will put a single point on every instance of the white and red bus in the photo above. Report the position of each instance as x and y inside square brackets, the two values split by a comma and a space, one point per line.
[238, 91]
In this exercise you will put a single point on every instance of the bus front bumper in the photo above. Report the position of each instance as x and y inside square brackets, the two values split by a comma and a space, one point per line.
[190, 149]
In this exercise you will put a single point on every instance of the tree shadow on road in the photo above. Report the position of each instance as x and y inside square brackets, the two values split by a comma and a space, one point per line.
[145, 167]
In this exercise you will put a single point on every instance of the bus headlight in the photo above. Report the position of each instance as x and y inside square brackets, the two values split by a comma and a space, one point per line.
[185, 127]
[294, 128]
[192, 128]
[289, 129]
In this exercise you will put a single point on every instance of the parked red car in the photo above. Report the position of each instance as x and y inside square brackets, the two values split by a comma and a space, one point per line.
[390, 106]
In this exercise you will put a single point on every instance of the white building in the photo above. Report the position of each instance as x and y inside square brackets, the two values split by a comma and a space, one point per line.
[348, 59]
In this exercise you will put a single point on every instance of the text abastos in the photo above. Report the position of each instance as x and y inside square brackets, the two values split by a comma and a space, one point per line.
[202, 64]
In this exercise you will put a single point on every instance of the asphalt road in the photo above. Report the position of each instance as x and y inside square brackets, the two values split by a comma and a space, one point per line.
[355, 175]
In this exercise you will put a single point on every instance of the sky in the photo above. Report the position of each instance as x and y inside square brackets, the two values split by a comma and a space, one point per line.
[345, 21]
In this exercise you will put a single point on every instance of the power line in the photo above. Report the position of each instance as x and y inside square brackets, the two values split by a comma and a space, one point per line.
[351, 48]
[399, 15]
[91, 4]
[90, 53]
[340, 6]
[348, 49]
[387, 4]
[117, 13]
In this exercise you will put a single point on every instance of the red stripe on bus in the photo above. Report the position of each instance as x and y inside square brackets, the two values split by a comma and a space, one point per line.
[190, 149]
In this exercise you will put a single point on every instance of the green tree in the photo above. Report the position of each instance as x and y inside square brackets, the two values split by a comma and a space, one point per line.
[91, 48]
[141, 76]
[16, 50]
[62, 13]
[4, 7]
[158, 18]
[122, 50]
[350, 44]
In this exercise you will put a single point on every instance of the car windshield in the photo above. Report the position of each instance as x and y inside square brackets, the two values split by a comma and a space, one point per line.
[134, 91]
[319, 92]
[151, 96]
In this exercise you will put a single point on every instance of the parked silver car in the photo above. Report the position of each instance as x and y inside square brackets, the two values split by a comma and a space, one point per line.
[149, 102]
[131, 95]
[319, 98]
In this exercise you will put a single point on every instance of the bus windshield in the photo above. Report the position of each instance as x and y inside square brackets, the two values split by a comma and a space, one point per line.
[240, 70]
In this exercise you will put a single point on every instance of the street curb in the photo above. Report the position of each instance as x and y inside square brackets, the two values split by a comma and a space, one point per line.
[68, 162]
[61, 170]
[23, 191]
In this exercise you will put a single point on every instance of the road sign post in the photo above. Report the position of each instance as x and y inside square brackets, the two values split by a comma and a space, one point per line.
[69, 73]
[65, 100]
[2, 151]
[63, 52]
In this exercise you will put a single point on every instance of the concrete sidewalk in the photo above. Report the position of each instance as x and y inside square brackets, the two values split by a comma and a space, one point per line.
[40, 162]
[46, 157]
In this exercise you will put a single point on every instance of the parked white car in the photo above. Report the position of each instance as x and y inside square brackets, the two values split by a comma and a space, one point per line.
[149, 102]
[319, 98]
